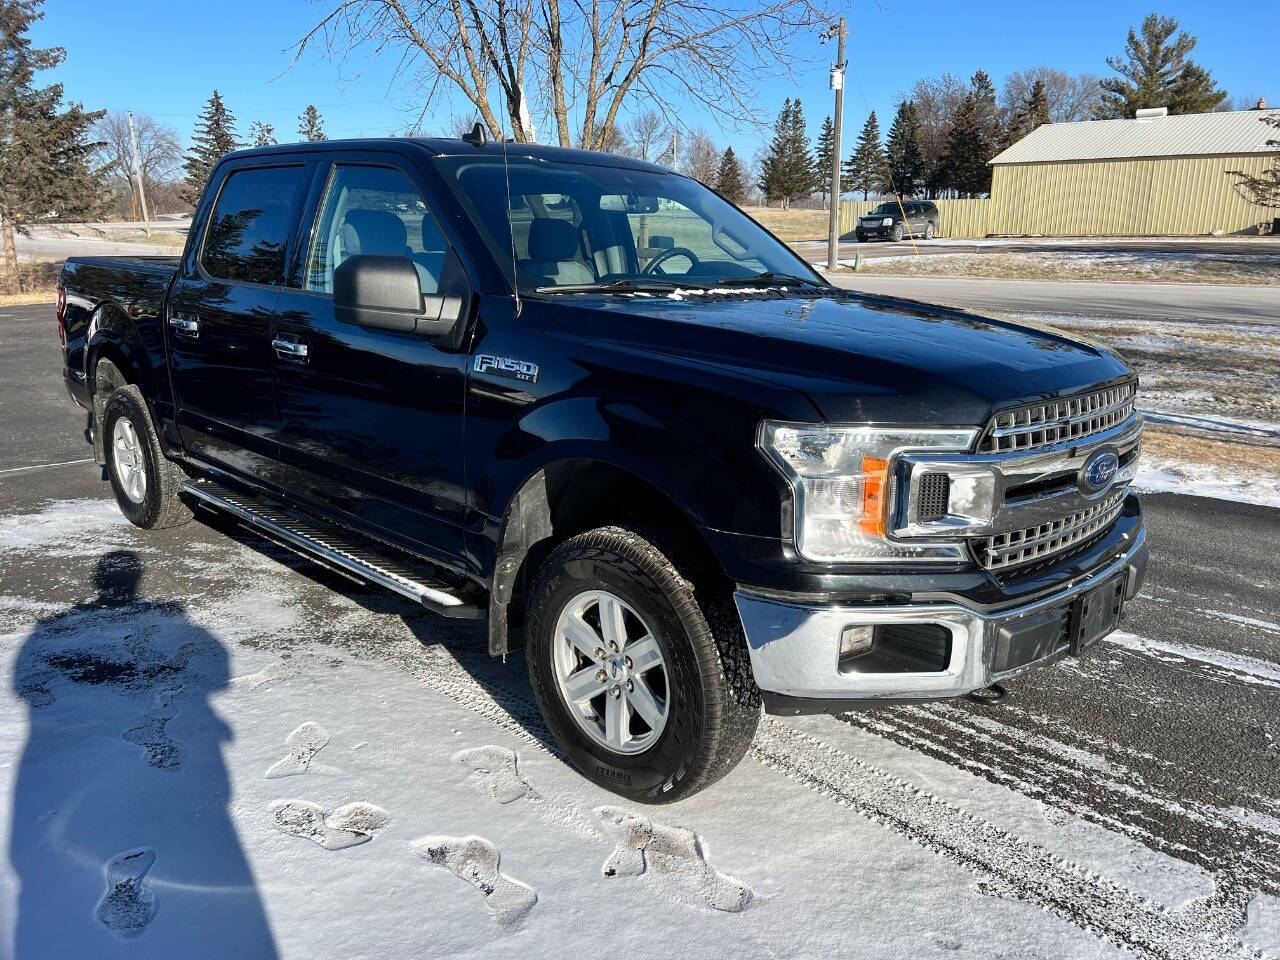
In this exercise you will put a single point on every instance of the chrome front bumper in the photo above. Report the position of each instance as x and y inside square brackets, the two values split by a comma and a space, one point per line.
[795, 647]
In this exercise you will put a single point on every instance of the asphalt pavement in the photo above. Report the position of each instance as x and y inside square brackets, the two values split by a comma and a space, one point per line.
[1167, 734]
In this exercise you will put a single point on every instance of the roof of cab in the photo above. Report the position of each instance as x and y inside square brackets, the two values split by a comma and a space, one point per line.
[441, 146]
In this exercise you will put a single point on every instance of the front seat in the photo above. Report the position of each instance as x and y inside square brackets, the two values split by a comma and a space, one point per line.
[377, 232]
[554, 255]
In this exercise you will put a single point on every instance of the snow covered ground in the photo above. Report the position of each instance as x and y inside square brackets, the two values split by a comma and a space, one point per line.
[1172, 265]
[208, 751]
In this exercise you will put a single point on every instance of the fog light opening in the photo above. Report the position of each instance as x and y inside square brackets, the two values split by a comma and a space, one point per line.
[856, 641]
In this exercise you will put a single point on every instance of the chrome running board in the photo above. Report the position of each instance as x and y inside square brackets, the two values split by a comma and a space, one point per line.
[333, 547]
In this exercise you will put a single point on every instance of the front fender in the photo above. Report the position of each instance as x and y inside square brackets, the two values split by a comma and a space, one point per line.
[707, 464]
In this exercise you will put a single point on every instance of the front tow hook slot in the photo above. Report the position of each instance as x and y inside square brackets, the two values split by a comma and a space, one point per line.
[989, 696]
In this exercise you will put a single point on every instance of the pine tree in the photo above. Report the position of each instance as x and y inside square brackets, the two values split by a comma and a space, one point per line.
[44, 145]
[822, 156]
[731, 179]
[786, 173]
[988, 113]
[865, 167]
[904, 157]
[964, 166]
[310, 126]
[262, 134]
[215, 137]
[1155, 72]
[1030, 114]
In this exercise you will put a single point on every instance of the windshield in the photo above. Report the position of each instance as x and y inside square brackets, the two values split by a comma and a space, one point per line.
[884, 210]
[578, 225]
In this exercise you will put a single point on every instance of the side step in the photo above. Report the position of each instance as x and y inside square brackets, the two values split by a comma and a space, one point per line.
[334, 547]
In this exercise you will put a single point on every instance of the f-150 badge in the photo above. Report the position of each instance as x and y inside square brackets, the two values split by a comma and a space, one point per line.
[507, 367]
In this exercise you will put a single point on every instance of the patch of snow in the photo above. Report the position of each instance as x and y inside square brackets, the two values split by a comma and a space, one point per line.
[1262, 932]
[1156, 475]
[1231, 666]
[64, 525]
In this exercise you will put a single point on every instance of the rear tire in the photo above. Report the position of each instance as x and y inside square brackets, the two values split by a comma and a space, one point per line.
[693, 678]
[145, 482]
[928, 231]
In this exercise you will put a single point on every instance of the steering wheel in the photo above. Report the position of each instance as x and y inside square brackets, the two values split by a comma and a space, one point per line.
[652, 266]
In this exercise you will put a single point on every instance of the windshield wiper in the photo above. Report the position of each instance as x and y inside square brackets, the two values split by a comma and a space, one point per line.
[621, 285]
[769, 278]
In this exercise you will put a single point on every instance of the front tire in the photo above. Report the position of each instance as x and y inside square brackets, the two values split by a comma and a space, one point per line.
[677, 706]
[897, 232]
[145, 482]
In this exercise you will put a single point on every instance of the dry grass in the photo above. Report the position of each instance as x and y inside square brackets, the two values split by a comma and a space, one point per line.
[162, 238]
[792, 225]
[1140, 267]
[35, 284]
[43, 295]
[1170, 443]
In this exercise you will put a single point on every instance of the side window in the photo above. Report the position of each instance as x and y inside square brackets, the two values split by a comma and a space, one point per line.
[251, 223]
[374, 210]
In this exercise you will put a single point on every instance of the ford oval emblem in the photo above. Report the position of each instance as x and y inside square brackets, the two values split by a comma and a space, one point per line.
[1099, 470]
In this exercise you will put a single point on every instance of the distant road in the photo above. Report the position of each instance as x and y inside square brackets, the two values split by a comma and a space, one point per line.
[1241, 303]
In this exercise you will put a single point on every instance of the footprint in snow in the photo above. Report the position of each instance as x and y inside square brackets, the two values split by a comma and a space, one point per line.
[347, 826]
[304, 743]
[494, 770]
[129, 903]
[669, 854]
[476, 860]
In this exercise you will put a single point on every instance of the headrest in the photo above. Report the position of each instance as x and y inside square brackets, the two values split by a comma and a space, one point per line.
[552, 239]
[378, 232]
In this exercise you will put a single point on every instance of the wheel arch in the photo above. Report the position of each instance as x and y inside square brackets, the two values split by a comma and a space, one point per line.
[569, 496]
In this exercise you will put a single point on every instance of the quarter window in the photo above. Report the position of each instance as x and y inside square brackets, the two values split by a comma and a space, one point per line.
[251, 222]
[374, 210]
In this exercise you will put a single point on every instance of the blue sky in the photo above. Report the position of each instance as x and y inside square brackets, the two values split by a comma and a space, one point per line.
[164, 58]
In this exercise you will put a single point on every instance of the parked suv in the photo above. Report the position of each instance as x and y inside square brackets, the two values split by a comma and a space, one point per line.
[587, 399]
[886, 220]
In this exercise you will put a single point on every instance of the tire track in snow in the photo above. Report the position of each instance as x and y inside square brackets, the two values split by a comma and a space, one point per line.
[1003, 864]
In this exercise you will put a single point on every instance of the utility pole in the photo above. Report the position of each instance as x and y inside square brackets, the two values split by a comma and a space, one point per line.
[137, 169]
[837, 84]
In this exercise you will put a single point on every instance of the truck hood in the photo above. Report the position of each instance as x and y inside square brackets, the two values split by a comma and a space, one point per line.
[861, 358]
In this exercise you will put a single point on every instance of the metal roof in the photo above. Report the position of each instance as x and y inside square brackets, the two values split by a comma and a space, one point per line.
[1190, 134]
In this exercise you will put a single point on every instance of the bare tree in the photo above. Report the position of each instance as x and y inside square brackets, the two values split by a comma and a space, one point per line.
[647, 135]
[937, 101]
[159, 157]
[584, 57]
[1071, 97]
[701, 159]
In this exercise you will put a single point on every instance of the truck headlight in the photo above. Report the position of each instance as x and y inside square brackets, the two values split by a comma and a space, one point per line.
[887, 222]
[845, 489]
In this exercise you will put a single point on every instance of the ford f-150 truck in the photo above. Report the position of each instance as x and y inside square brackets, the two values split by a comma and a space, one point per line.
[589, 400]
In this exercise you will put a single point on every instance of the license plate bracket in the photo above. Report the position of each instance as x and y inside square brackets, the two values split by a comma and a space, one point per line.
[1096, 613]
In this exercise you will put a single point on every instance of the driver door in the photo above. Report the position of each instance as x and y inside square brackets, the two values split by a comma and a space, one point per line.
[371, 420]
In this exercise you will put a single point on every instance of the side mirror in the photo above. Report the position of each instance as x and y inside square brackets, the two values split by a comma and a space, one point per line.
[386, 293]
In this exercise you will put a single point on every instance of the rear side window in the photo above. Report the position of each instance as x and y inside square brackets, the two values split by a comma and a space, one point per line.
[251, 223]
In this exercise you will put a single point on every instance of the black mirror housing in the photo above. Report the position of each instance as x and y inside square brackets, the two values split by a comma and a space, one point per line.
[386, 293]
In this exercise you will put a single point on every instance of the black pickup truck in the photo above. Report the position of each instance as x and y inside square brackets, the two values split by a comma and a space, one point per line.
[588, 399]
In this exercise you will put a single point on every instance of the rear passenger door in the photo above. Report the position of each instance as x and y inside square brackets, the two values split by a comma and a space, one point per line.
[218, 326]
[371, 420]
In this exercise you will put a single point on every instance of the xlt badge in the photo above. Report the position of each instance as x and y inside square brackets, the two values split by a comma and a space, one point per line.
[507, 367]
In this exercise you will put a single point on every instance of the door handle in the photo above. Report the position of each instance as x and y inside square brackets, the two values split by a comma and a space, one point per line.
[185, 324]
[290, 349]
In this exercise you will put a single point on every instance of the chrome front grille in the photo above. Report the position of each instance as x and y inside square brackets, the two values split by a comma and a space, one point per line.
[1070, 419]
[1047, 539]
